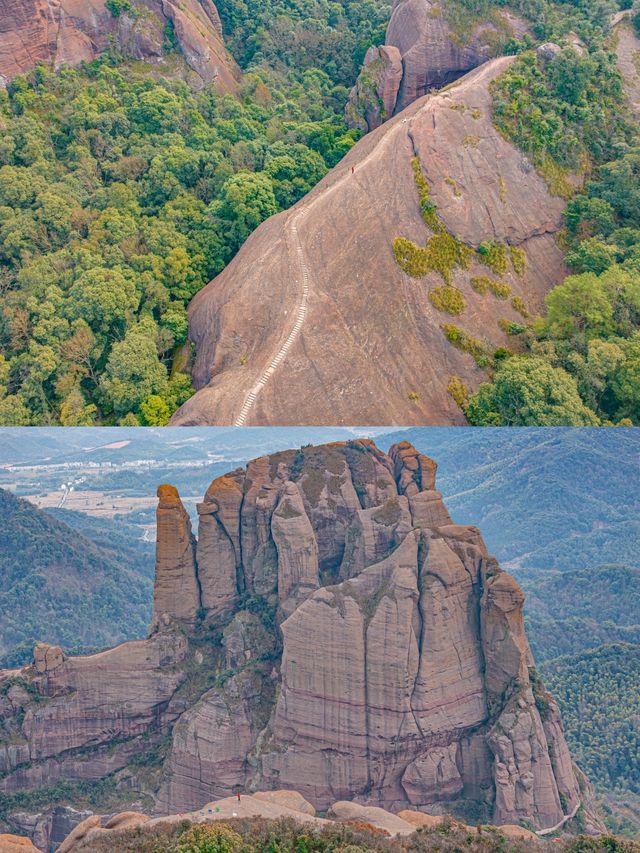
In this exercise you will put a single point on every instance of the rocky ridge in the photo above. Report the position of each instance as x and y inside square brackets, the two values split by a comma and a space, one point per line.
[68, 32]
[315, 321]
[331, 631]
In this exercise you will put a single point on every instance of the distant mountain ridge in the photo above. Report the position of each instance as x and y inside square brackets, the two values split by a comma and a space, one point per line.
[555, 498]
[55, 582]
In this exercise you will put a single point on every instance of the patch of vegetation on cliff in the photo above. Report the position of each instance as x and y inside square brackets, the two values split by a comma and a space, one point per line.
[570, 108]
[100, 794]
[464, 341]
[447, 299]
[443, 252]
[484, 284]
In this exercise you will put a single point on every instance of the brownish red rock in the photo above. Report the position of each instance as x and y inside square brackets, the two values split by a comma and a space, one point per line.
[370, 651]
[344, 334]
[68, 32]
[422, 52]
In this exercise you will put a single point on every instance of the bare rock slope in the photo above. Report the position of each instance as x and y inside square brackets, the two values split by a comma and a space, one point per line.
[350, 643]
[315, 322]
[67, 32]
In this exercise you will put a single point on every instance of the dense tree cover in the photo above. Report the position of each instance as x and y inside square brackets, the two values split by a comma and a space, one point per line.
[570, 612]
[121, 194]
[63, 586]
[293, 36]
[598, 694]
[581, 362]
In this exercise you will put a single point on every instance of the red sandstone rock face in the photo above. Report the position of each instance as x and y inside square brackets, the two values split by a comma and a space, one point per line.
[421, 53]
[398, 676]
[314, 321]
[67, 32]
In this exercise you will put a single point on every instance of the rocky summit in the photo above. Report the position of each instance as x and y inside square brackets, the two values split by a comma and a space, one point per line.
[330, 630]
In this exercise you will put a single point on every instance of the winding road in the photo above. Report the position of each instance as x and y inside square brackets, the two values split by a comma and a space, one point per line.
[564, 820]
[488, 69]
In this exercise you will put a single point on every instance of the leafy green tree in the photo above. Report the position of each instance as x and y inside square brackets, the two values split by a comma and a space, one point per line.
[528, 391]
[246, 200]
[579, 308]
[134, 372]
[104, 298]
[592, 255]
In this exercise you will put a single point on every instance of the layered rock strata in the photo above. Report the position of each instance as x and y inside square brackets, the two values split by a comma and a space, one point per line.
[333, 632]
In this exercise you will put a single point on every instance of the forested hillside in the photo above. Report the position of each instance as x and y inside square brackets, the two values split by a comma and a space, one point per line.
[546, 499]
[569, 114]
[58, 584]
[598, 694]
[122, 192]
[570, 612]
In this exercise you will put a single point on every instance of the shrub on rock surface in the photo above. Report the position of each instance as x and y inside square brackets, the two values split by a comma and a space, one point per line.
[213, 838]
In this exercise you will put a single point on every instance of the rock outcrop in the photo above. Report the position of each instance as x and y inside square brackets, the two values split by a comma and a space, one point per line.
[423, 51]
[627, 48]
[314, 321]
[369, 650]
[68, 32]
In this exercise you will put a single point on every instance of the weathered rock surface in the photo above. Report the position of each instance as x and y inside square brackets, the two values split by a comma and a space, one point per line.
[16, 844]
[349, 663]
[627, 48]
[373, 98]
[365, 345]
[67, 32]
[422, 52]
[176, 594]
[392, 824]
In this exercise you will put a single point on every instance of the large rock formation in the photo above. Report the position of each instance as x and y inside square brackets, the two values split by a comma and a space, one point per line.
[350, 642]
[315, 322]
[67, 32]
[425, 48]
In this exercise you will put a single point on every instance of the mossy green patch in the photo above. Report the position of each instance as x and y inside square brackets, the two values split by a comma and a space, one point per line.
[442, 254]
[518, 304]
[518, 259]
[458, 390]
[464, 341]
[484, 284]
[494, 256]
[448, 299]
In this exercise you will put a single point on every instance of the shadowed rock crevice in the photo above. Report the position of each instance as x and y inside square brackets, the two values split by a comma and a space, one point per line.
[397, 676]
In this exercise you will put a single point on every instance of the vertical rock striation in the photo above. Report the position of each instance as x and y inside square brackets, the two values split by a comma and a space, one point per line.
[333, 632]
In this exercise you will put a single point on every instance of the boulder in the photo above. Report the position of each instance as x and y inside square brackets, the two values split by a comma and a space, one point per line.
[377, 817]
[289, 799]
[400, 362]
[16, 844]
